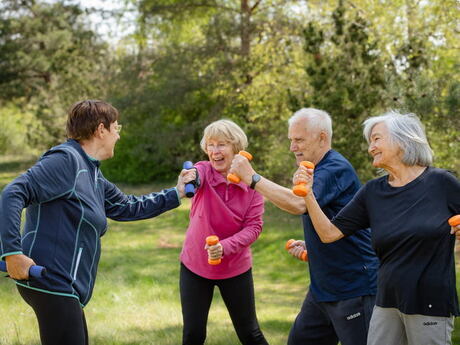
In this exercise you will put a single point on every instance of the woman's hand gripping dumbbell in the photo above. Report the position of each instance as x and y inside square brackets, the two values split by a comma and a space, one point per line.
[215, 250]
[233, 177]
[454, 222]
[34, 270]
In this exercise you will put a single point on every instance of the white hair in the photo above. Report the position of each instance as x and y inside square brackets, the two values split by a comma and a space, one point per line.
[317, 119]
[407, 132]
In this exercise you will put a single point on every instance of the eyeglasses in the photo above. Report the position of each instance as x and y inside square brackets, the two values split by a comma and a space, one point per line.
[219, 147]
[117, 128]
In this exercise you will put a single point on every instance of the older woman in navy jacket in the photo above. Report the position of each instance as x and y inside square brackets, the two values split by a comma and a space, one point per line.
[68, 201]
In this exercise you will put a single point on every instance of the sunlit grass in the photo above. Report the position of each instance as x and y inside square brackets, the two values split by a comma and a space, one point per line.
[12, 166]
[136, 299]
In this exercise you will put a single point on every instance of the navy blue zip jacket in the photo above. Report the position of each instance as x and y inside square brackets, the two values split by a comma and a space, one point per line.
[68, 202]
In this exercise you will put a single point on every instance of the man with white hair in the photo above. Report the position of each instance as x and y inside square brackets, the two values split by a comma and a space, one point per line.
[341, 297]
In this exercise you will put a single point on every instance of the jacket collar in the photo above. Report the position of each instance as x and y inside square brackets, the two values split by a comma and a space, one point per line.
[76, 145]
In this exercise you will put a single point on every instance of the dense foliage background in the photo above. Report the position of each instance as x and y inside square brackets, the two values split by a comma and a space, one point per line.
[190, 62]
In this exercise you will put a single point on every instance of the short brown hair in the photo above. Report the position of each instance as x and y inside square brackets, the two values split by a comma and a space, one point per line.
[85, 116]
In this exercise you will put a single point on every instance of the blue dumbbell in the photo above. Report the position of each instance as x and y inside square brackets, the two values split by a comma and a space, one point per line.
[189, 187]
[34, 271]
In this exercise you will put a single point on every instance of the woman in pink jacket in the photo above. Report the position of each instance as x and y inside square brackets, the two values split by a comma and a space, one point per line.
[233, 212]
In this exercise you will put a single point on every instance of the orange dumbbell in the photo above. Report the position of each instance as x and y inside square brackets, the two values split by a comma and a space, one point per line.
[303, 256]
[212, 241]
[454, 221]
[301, 189]
[234, 178]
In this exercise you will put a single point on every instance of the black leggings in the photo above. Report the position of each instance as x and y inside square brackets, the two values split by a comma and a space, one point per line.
[61, 319]
[238, 294]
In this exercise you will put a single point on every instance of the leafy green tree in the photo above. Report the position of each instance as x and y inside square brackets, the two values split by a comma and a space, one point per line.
[402, 56]
[202, 61]
[346, 78]
[48, 58]
[20, 132]
[424, 76]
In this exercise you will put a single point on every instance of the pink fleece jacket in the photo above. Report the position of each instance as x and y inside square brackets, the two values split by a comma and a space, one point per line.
[233, 212]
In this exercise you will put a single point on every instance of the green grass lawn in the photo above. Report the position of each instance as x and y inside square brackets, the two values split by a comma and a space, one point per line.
[136, 298]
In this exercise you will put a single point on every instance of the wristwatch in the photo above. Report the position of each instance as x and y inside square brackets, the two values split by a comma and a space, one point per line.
[255, 178]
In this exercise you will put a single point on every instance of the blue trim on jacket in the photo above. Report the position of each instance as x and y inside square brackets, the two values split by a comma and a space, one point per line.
[68, 201]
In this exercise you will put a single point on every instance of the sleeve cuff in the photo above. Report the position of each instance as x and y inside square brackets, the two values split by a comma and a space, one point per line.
[345, 232]
[226, 247]
[178, 196]
[10, 253]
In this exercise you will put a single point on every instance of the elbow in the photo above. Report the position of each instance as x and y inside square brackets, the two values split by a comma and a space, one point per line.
[328, 239]
[331, 236]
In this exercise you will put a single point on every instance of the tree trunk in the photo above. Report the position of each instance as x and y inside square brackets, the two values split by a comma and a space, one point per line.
[245, 28]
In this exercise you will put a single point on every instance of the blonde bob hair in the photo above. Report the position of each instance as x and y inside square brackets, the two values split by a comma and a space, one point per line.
[226, 130]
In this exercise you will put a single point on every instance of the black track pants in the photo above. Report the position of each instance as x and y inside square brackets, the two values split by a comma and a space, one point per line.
[238, 295]
[61, 319]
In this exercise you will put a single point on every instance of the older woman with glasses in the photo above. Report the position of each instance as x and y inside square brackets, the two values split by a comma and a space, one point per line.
[68, 201]
[407, 210]
[233, 212]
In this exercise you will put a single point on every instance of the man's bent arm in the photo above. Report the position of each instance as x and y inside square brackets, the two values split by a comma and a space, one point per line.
[281, 196]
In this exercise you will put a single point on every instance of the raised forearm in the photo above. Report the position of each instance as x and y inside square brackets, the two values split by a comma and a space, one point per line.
[281, 196]
[326, 231]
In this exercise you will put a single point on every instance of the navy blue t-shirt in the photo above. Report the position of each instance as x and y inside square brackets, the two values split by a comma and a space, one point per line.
[346, 268]
[412, 239]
